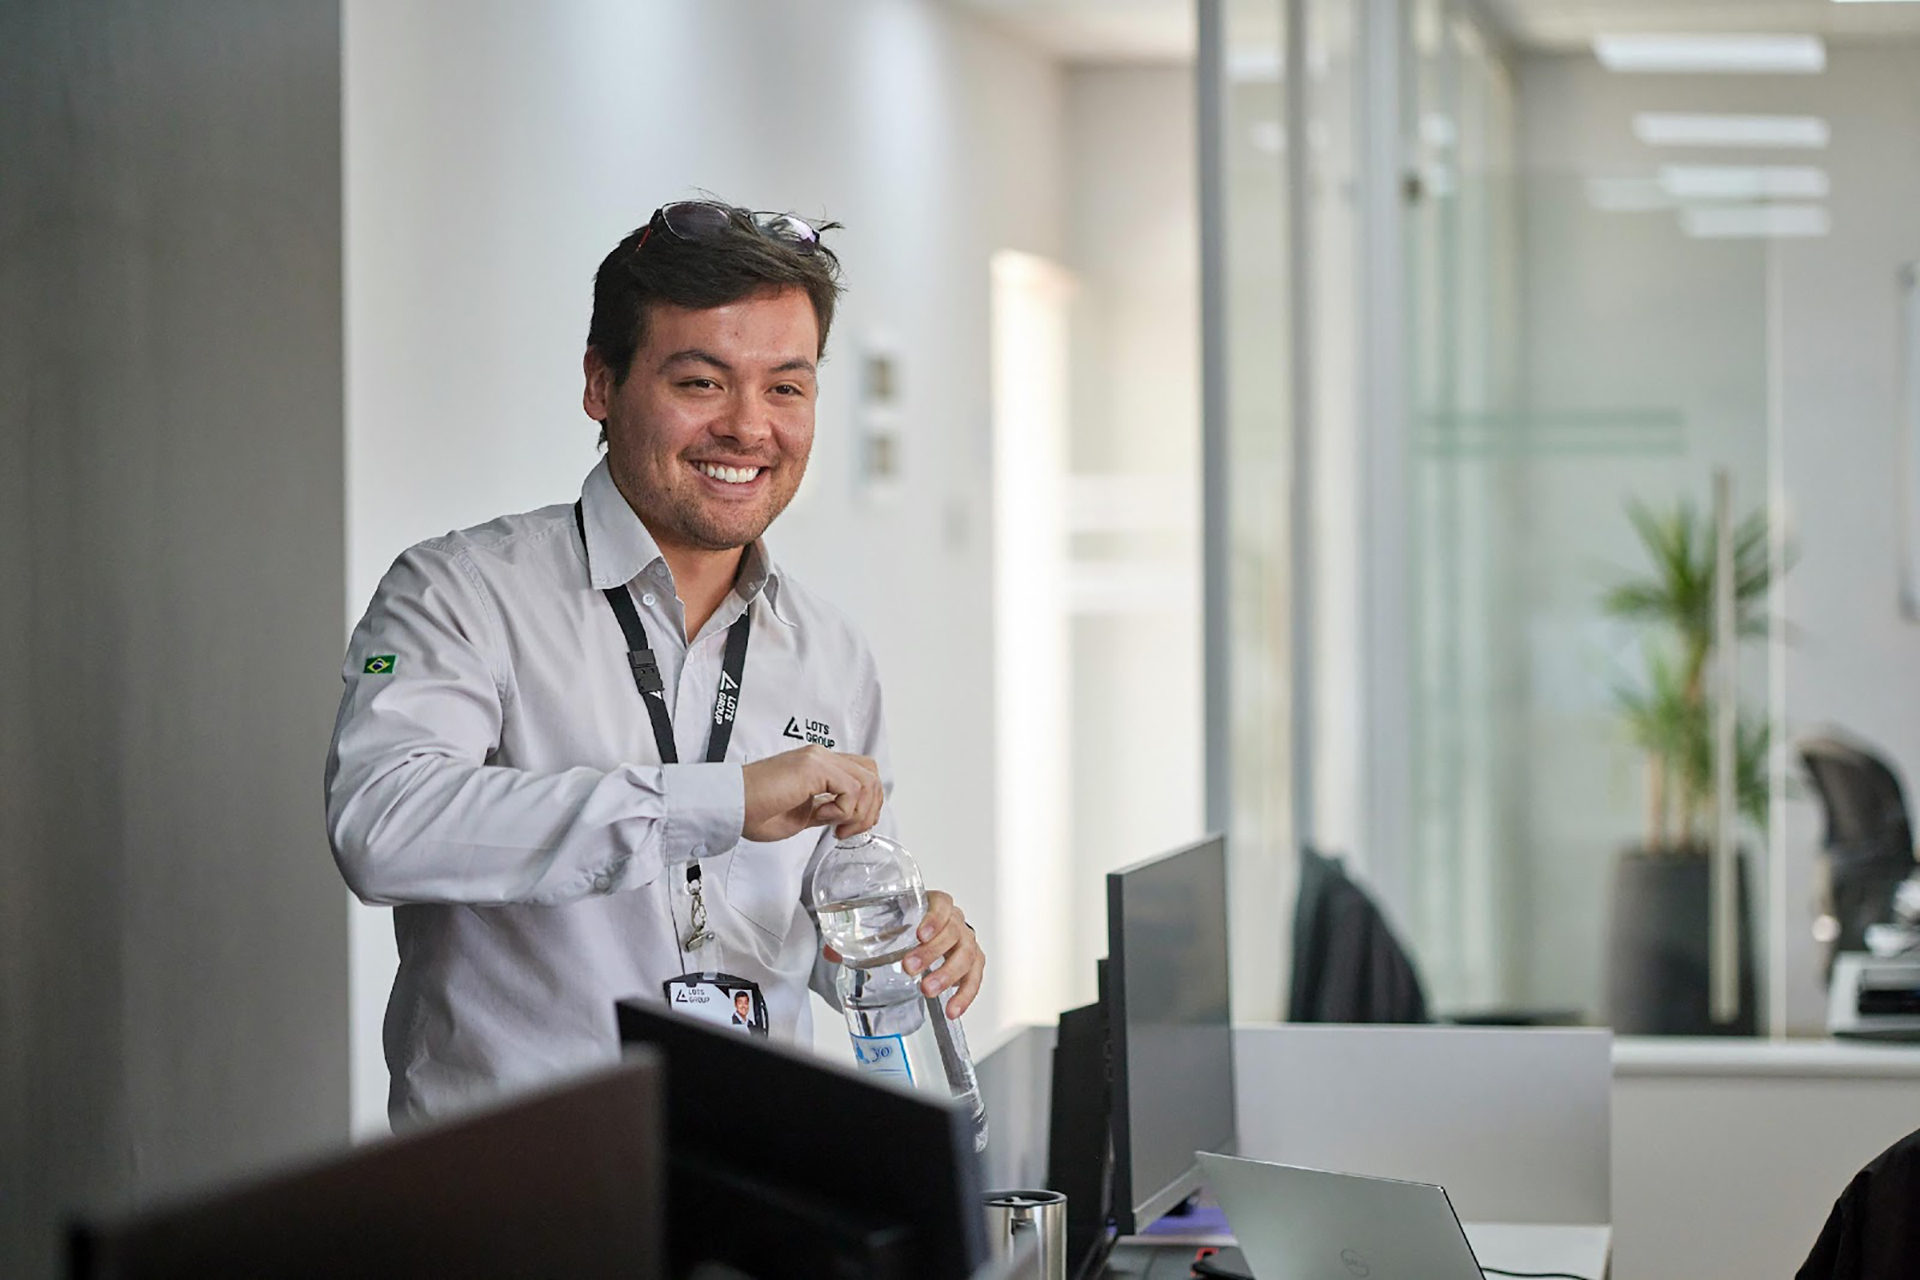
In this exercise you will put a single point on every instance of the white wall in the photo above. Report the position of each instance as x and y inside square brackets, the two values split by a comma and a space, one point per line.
[172, 937]
[1852, 662]
[495, 151]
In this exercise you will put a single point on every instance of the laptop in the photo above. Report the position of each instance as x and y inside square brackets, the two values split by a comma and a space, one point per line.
[1307, 1224]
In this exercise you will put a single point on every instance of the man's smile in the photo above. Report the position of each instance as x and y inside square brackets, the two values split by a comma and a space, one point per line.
[728, 475]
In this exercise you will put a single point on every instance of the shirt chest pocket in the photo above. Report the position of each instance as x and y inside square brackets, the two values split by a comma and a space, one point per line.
[763, 883]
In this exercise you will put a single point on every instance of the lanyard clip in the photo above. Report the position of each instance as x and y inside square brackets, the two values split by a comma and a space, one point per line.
[646, 671]
[698, 935]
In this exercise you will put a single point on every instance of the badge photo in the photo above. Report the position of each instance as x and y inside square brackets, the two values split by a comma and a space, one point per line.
[723, 999]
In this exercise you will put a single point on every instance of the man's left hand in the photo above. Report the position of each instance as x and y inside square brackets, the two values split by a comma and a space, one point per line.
[944, 936]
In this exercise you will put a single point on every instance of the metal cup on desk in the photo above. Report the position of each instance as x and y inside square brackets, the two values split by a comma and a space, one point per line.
[1030, 1223]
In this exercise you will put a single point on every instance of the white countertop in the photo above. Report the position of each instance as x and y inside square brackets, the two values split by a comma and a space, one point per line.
[1568, 1250]
[1741, 1056]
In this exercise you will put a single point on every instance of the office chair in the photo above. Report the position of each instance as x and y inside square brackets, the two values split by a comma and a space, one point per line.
[1869, 841]
[1350, 966]
[1347, 964]
[1874, 1229]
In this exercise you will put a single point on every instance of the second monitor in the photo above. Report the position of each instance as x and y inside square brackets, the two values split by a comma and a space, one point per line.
[1143, 1078]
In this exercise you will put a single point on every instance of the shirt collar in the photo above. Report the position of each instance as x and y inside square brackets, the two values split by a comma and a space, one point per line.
[619, 548]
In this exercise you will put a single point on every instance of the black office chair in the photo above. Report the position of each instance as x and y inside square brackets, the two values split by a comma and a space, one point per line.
[1873, 1232]
[1348, 966]
[1869, 841]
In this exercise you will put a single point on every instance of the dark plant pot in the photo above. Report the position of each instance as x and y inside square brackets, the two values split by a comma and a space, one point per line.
[1657, 962]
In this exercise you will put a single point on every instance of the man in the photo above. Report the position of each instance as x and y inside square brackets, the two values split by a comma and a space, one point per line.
[743, 1009]
[593, 751]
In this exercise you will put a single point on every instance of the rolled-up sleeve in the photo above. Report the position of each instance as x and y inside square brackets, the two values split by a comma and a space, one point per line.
[415, 811]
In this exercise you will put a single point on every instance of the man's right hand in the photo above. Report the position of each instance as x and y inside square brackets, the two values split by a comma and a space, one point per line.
[811, 787]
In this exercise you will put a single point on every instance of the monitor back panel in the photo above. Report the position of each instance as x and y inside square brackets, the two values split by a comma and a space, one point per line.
[760, 1135]
[568, 1182]
[1515, 1123]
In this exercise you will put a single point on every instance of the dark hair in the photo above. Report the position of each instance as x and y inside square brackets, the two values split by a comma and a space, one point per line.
[736, 261]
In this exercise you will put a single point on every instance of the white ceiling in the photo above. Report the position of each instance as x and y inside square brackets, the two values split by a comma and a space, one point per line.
[1563, 24]
[1163, 30]
[1097, 30]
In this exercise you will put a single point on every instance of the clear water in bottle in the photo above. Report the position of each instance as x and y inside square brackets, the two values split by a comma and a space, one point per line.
[870, 900]
[903, 1036]
[871, 930]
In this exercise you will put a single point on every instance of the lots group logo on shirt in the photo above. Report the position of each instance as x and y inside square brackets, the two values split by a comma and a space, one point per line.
[818, 732]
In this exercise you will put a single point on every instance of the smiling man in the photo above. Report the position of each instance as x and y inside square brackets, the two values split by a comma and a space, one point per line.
[593, 751]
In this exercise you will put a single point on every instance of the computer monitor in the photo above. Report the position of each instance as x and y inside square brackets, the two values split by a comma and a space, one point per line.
[779, 1164]
[565, 1183]
[1169, 1017]
[1143, 1077]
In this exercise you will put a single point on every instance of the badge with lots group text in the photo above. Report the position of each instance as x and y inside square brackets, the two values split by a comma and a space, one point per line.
[719, 998]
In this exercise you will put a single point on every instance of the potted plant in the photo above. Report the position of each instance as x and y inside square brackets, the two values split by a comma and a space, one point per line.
[1658, 940]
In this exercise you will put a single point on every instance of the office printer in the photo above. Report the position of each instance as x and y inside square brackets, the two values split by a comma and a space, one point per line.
[1875, 994]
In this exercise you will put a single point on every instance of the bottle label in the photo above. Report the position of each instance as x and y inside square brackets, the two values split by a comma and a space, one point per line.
[883, 1056]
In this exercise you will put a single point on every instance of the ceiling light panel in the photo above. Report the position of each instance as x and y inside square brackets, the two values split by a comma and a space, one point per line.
[1627, 195]
[1755, 54]
[1743, 182]
[1669, 129]
[1754, 221]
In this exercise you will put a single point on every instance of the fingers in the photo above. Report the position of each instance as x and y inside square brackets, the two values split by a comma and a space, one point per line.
[939, 933]
[961, 963]
[859, 808]
[854, 783]
[969, 986]
[811, 786]
[961, 971]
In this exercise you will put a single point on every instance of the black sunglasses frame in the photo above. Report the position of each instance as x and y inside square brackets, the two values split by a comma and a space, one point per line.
[697, 220]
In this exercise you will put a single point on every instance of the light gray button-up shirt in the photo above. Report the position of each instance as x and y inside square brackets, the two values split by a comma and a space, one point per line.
[494, 776]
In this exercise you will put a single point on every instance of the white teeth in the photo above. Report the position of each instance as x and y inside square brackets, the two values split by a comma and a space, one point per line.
[728, 475]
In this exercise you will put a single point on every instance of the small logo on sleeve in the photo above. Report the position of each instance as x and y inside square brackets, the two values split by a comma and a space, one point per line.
[380, 664]
[818, 732]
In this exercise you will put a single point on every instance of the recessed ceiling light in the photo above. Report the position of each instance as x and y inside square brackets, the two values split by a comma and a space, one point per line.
[1669, 129]
[1754, 221]
[1627, 195]
[1743, 182]
[1253, 66]
[1790, 54]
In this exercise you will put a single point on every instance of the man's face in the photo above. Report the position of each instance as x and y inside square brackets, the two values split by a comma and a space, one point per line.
[741, 1004]
[709, 435]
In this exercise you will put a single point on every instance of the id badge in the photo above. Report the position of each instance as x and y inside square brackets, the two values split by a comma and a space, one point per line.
[719, 998]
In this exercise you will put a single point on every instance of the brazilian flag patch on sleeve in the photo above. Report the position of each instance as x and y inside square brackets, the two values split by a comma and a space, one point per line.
[380, 664]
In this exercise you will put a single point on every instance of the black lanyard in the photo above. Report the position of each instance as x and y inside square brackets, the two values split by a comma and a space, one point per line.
[646, 671]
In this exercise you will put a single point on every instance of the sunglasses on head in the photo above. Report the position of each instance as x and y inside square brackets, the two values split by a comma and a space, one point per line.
[705, 220]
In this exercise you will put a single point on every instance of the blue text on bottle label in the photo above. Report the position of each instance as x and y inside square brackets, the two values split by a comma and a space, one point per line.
[883, 1056]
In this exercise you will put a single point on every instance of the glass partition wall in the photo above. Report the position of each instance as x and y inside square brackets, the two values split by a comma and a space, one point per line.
[1582, 363]
[1544, 486]
[1248, 475]
[1475, 681]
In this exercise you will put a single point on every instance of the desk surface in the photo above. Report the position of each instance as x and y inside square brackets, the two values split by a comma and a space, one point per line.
[1511, 1246]
[1724, 1056]
[1529, 1246]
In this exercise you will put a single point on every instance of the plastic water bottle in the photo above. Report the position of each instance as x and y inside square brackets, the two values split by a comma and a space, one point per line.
[869, 897]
